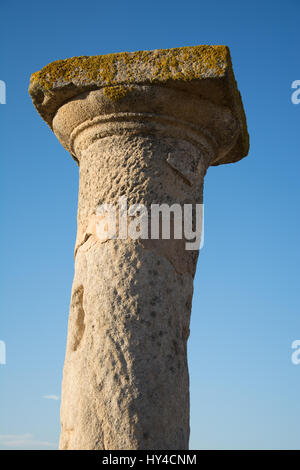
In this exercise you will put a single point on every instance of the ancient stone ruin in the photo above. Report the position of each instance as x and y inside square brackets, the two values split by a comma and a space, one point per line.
[145, 125]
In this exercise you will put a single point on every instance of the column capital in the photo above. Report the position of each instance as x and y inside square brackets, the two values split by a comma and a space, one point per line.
[188, 90]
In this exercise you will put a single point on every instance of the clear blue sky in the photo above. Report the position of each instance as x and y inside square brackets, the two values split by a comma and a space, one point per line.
[244, 387]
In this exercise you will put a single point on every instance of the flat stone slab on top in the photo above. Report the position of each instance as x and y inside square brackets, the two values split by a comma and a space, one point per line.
[205, 71]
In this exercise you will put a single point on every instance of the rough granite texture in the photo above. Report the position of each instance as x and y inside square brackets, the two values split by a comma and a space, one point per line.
[145, 125]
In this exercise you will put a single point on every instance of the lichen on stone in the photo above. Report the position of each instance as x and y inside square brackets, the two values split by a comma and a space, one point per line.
[115, 93]
[184, 63]
[205, 71]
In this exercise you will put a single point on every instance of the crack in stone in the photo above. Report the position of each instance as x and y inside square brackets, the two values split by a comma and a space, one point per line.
[79, 327]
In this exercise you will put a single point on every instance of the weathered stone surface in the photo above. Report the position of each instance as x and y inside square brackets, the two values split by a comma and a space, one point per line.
[147, 126]
[204, 71]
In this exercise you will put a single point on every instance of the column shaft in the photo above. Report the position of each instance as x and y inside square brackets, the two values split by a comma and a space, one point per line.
[126, 382]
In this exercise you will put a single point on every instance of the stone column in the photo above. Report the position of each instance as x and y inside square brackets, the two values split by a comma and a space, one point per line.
[144, 125]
